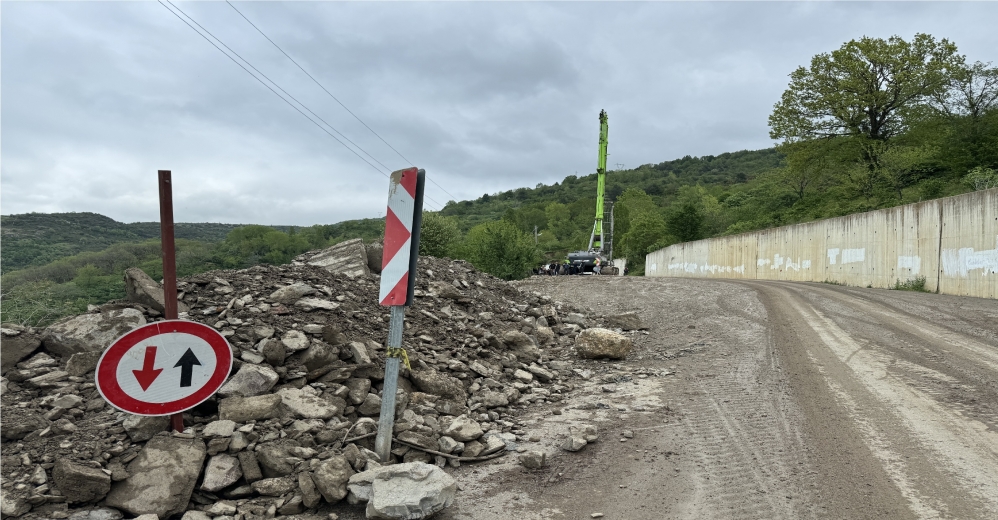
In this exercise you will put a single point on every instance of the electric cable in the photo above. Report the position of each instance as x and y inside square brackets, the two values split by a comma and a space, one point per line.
[274, 91]
[332, 96]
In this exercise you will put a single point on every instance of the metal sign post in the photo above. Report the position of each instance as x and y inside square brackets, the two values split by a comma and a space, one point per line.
[169, 263]
[398, 276]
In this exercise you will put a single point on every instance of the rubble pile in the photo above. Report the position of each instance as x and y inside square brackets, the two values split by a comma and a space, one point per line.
[293, 428]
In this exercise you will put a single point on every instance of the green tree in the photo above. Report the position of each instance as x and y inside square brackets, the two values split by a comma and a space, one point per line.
[501, 249]
[806, 168]
[559, 219]
[902, 166]
[248, 245]
[438, 235]
[870, 88]
[647, 228]
[87, 277]
[982, 178]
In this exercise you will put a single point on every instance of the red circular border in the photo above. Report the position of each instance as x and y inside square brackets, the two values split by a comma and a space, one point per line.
[107, 368]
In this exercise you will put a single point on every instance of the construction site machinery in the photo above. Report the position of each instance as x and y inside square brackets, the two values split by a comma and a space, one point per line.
[599, 248]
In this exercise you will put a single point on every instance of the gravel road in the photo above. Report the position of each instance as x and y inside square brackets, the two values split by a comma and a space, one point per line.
[768, 400]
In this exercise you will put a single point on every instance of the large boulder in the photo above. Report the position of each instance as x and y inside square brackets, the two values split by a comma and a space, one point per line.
[348, 257]
[410, 491]
[80, 483]
[17, 343]
[375, 252]
[140, 288]
[521, 345]
[161, 478]
[626, 321]
[250, 380]
[91, 332]
[601, 343]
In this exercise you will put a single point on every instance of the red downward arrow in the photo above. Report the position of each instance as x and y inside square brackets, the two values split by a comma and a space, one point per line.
[148, 374]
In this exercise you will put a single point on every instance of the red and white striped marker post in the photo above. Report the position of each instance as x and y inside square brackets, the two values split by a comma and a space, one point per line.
[398, 276]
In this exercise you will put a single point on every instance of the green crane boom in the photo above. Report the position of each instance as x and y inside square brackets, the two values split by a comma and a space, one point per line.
[596, 239]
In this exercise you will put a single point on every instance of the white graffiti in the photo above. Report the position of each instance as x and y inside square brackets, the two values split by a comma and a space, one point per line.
[832, 253]
[690, 267]
[959, 262]
[850, 256]
[761, 262]
[913, 263]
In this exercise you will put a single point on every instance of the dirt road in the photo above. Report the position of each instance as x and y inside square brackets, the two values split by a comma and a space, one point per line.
[768, 400]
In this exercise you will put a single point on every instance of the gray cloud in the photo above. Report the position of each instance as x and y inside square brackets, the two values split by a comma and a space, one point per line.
[485, 96]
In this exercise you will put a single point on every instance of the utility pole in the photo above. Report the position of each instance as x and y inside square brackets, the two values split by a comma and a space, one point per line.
[535, 235]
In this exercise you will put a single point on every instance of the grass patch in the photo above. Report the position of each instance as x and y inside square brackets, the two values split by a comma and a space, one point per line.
[915, 284]
[833, 282]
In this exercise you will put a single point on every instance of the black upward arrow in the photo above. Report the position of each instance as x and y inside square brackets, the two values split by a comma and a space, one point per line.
[186, 364]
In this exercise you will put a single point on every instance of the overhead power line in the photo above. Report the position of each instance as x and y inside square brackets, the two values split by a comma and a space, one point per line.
[262, 82]
[258, 71]
[324, 89]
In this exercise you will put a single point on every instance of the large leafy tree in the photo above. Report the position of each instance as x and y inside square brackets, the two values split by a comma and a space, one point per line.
[870, 88]
[501, 249]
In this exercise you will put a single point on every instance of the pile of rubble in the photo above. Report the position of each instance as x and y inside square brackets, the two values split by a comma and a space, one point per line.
[294, 426]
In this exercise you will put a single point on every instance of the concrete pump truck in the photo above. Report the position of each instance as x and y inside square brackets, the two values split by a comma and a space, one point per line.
[600, 250]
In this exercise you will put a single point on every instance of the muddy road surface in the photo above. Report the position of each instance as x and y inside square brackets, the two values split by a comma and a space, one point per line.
[760, 400]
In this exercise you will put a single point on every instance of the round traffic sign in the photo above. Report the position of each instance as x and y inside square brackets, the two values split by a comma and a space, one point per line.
[164, 367]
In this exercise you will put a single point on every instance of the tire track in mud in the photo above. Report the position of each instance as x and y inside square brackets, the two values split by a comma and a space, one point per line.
[943, 463]
[753, 464]
[740, 421]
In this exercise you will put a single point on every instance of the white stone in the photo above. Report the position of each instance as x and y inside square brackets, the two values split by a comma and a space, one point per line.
[411, 491]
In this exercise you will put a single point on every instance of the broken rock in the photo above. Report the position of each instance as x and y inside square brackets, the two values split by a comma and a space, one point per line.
[464, 429]
[80, 483]
[90, 332]
[291, 293]
[18, 343]
[142, 428]
[222, 471]
[348, 257]
[412, 490]
[242, 409]
[306, 405]
[249, 381]
[626, 321]
[331, 478]
[140, 288]
[602, 343]
[162, 477]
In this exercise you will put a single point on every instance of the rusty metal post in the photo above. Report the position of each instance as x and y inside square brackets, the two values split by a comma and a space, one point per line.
[169, 263]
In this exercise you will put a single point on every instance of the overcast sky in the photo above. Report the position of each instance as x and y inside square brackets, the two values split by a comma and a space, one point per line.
[485, 96]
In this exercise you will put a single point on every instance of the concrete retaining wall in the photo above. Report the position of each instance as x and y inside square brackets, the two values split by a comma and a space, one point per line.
[952, 242]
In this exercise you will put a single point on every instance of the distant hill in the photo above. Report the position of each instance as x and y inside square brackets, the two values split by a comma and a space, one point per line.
[34, 239]
[661, 181]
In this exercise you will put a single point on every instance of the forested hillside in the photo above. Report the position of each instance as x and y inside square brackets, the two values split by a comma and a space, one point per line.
[39, 238]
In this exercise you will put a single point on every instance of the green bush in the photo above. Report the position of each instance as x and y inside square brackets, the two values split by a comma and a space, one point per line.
[916, 284]
[501, 249]
[438, 235]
